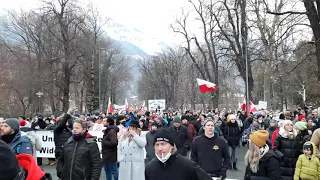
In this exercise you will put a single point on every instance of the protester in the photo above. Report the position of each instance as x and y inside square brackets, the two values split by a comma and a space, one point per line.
[211, 152]
[109, 148]
[149, 146]
[316, 140]
[11, 135]
[272, 127]
[20, 167]
[261, 162]
[169, 165]
[34, 139]
[181, 136]
[308, 165]
[62, 132]
[232, 133]
[80, 156]
[131, 154]
[287, 148]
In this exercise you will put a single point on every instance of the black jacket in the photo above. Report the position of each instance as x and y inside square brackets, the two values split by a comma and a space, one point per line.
[176, 168]
[109, 144]
[232, 134]
[182, 139]
[61, 134]
[149, 146]
[212, 154]
[79, 160]
[288, 151]
[269, 168]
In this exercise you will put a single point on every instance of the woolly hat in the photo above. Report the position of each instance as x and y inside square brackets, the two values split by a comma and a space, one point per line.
[13, 123]
[231, 116]
[206, 121]
[134, 124]
[259, 137]
[154, 123]
[308, 146]
[163, 135]
[301, 125]
[9, 166]
[300, 117]
[177, 119]
[22, 123]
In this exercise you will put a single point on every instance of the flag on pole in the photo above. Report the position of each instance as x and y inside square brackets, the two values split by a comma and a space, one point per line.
[142, 107]
[206, 86]
[110, 109]
[126, 105]
[252, 107]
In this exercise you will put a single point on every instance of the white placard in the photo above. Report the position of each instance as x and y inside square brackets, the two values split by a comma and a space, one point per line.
[154, 104]
[48, 147]
[47, 141]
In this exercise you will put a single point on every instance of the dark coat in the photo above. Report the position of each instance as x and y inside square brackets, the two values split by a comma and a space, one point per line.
[175, 168]
[182, 139]
[149, 146]
[269, 168]
[109, 144]
[61, 134]
[79, 160]
[232, 134]
[288, 150]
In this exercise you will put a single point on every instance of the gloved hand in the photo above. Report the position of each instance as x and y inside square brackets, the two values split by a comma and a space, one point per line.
[223, 175]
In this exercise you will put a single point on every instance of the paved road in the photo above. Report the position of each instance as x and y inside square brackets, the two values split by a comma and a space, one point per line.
[232, 175]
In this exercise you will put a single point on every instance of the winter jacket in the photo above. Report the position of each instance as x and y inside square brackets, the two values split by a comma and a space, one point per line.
[149, 146]
[270, 131]
[131, 158]
[288, 150]
[79, 160]
[109, 144]
[232, 134]
[302, 137]
[316, 140]
[212, 154]
[274, 136]
[175, 168]
[269, 168]
[62, 133]
[182, 139]
[35, 141]
[192, 130]
[21, 144]
[29, 165]
[307, 169]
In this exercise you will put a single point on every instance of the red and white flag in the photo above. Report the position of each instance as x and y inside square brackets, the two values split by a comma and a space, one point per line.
[252, 107]
[110, 109]
[206, 86]
[142, 107]
[127, 105]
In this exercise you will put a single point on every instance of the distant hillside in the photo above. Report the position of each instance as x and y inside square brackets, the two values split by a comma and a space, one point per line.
[131, 49]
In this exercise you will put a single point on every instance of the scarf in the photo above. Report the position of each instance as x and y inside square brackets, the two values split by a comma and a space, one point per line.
[8, 138]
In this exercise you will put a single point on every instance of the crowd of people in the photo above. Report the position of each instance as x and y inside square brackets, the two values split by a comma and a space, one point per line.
[178, 146]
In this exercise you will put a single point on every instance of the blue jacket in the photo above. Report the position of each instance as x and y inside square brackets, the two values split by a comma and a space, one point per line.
[21, 144]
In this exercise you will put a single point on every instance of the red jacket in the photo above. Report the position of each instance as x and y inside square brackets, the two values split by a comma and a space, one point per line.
[274, 136]
[28, 163]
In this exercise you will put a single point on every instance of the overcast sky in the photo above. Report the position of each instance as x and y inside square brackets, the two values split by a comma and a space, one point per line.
[152, 17]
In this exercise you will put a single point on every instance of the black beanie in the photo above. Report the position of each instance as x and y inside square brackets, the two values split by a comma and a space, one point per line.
[9, 166]
[308, 146]
[163, 135]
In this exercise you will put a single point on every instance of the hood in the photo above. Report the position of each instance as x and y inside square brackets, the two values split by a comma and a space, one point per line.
[284, 134]
[28, 163]
[88, 136]
[314, 148]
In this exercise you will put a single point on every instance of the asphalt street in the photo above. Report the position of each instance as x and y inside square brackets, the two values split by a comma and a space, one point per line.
[230, 175]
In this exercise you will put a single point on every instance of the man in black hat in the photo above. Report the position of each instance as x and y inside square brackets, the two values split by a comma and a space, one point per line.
[168, 164]
[11, 135]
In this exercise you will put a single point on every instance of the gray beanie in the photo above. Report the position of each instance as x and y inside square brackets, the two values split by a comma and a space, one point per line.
[160, 118]
[13, 123]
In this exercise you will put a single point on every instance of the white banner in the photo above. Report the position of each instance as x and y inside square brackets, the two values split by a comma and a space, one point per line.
[47, 142]
[48, 147]
[159, 104]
